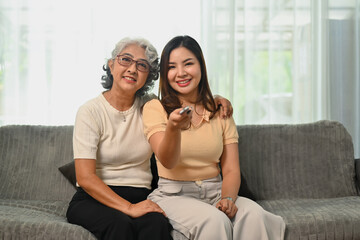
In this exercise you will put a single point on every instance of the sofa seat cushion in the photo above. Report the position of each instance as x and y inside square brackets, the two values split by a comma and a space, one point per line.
[306, 219]
[25, 219]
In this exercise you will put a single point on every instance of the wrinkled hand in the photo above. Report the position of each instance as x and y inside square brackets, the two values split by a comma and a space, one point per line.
[228, 207]
[226, 109]
[144, 207]
[180, 121]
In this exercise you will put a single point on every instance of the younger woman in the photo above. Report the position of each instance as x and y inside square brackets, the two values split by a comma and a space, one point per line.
[191, 147]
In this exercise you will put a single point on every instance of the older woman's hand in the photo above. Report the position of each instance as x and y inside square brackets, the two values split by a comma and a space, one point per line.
[141, 208]
[226, 109]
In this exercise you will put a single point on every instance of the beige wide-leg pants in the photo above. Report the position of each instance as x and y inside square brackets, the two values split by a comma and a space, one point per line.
[190, 207]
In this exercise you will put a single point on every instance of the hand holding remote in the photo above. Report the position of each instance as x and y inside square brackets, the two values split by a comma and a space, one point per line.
[186, 110]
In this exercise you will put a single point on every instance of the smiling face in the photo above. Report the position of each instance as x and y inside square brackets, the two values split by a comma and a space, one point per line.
[127, 79]
[184, 73]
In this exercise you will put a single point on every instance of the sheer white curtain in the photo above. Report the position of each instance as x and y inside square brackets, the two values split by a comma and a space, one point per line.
[278, 61]
[285, 61]
[52, 52]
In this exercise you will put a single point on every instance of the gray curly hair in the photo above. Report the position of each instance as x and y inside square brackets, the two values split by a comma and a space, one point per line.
[151, 55]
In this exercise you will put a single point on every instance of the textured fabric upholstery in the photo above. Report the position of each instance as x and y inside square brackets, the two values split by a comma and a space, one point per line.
[314, 160]
[304, 173]
[320, 219]
[357, 167]
[34, 195]
[35, 219]
[29, 157]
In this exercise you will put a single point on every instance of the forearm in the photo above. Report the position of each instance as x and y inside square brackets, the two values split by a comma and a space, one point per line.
[230, 185]
[96, 188]
[168, 151]
[231, 171]
[167, 144]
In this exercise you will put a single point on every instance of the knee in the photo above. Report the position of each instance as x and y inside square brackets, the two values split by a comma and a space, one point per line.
[253, 213]
[121, 218]
[153, 224]
[157, 220]
[214, 225]
[118, 220]
[216, 219]
[115, 226]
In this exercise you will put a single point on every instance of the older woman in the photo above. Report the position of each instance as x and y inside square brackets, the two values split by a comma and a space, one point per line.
[112, 154]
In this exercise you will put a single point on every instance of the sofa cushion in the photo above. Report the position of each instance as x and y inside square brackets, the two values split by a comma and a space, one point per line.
[314, 160]
[331, 218]
[29, 161]
[68, 170]
[244, 190]
[357, 168]
[41, 220]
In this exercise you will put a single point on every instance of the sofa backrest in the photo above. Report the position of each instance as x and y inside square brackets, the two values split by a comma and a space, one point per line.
[29, 161]
[314, 160]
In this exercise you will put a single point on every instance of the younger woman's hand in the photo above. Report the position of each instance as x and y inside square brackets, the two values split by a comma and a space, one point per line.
[228, 207]
[141, 208]
[180, 121]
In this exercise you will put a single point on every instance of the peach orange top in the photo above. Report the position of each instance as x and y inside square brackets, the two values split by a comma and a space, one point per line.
[201, 146]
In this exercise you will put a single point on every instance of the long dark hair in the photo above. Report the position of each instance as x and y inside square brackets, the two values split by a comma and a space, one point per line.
[168, 96]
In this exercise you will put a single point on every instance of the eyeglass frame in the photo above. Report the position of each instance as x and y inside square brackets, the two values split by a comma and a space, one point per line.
[132, 61]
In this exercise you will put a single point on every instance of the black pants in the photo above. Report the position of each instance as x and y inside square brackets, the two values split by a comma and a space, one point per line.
[110, 224]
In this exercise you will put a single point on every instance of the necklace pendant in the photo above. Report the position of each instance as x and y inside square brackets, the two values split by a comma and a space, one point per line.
[124, 118]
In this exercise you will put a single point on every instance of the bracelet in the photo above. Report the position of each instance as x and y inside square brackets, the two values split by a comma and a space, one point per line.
[228, 198]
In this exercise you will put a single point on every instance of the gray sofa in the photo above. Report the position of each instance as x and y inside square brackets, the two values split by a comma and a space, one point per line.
[305, 173]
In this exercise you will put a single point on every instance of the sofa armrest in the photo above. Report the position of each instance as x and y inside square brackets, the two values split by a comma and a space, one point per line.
[357, 171]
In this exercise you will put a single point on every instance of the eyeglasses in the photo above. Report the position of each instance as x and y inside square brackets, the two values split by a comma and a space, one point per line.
[141, 65]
